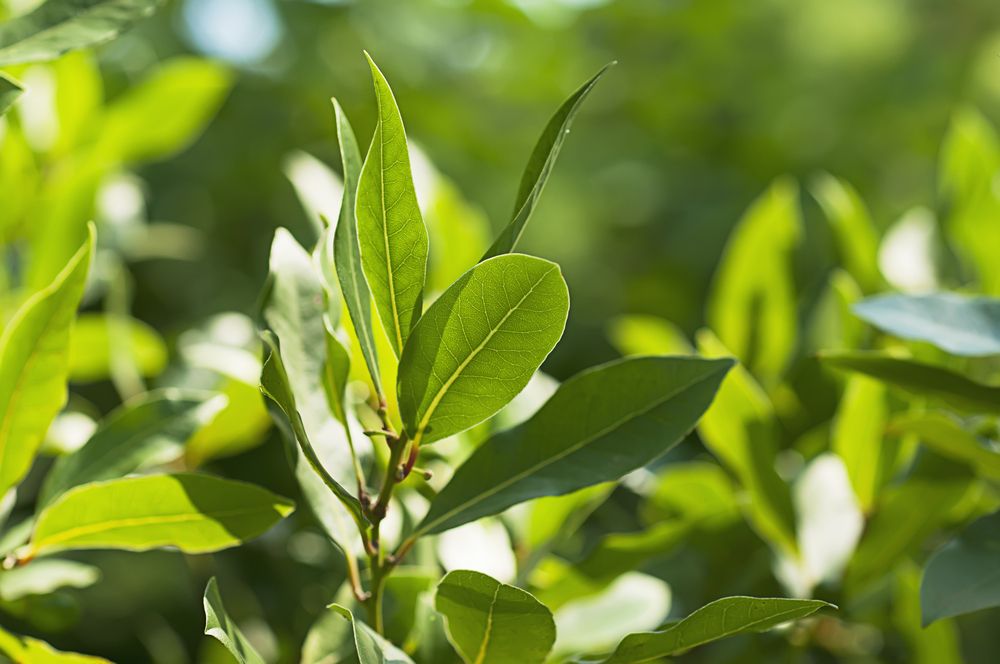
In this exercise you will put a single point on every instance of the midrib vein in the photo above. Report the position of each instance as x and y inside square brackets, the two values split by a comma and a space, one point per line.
[436, 401]
[133, 522]
[481, 655]
[503, 484]
[390, 274]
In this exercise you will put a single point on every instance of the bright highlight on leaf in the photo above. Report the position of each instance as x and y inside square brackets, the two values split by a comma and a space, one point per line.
[479, 344]
[493, 623]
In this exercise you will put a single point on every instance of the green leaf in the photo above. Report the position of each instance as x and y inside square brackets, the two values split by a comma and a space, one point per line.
[58, 26]
[194, 513]
[857, 239]
[42, 577]
[492, 623]
[148, 430]
[26, 650]
[478, 345]
[10, 90]
[220, 627]
[752, 304]
[647, 335]
[599, 425]
[957, 324]
[924, 380]
[962, 576]
[391, 231]
[722, 618]
[98, 340]
[343, 253]
[540, 164]
[34, 361]
[166, 111]
[370, 648]
[740, 429]
[858, 437]
[944, 435]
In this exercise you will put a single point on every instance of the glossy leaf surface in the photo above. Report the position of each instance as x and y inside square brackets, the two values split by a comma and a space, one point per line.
[219, 626]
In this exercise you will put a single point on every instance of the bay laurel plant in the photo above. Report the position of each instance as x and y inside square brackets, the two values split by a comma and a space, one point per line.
[384, 389]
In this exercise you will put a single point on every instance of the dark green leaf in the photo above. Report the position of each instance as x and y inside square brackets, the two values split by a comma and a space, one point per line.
[598, 426]
[220, 627]
[492, 623]
[920, 379]
[540, 164]
[10, 90]
[722, 618]
[59, 26]
[478, 345]
[150, 429]
[957, 324]
[391, 231]
[964, 575]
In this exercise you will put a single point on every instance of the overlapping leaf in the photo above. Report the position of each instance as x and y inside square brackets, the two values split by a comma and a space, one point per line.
[219, 626]
[962, 576]
[10, 90]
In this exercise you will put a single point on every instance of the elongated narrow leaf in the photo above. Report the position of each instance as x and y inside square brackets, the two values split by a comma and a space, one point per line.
[391, 231]
[10, 90]
[58, 26]
[540, 164]
[26, 650]
[344, 251]
[852, 225]
[598, 426]
[194, 513]
[492, 623]
[274, 384]
[943, 434]
[722, 618]
[220, 627]
[741, 430]
[957, 324]
[370, 648]
[34, 360]
[962, 577]
[150, 429]
[752, 304]
[858, 437]
[479, 344]
[45, 576]
[920, 379]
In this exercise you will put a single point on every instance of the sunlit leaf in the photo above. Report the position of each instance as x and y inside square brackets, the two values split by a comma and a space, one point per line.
[45, 576]
[647, 335]
[490, 622]
[598, 426]
[194, 513]
[752, 304]
[219, 626]
[944, 435]
[344, 252]
[858, 437]
[58, 26]
[478, 345]
[540, 165]
[957, 324]
[390, 229]
[720, 619]
[97, 339]
[369, 647]
[962, 576]
[857, 239]
[26, 650]
[148, 430]
[34, 362]
[926, 380]
[10, 90]
[939, 643]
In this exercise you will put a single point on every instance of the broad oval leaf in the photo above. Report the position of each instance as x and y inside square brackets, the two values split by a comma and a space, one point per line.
[369, 646]
[10, 90]
[540, 164]
[194, 513]
[34, 360]
[150, 429]
[725, 617]
[492, 623]
[58, 26]
[962, 576]
[220, 627]
[599, 425]
[957, 324]
[478, 345]
[920, 379]
[391, 231]
[343, 253]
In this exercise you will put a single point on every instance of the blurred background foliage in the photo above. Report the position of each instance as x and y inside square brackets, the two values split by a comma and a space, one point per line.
[197, 133]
